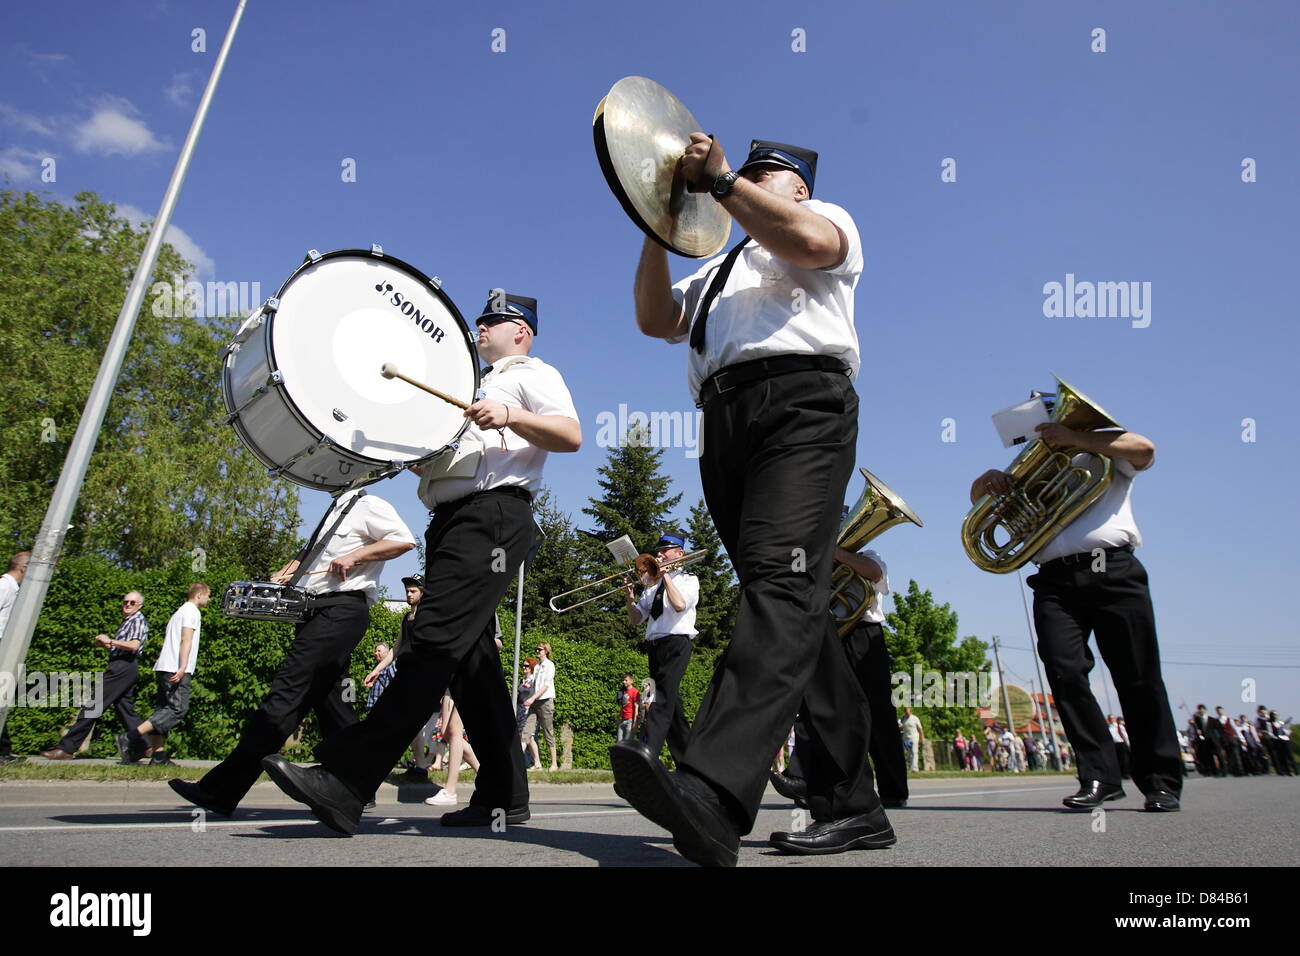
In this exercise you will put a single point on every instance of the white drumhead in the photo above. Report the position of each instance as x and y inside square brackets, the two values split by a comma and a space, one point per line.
[340, 320]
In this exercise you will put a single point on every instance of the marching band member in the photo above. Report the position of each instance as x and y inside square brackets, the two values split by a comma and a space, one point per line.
[667, 606]
[1089, 580]
[481, 530]
[310, 676]
[869, 657]
[772, 353]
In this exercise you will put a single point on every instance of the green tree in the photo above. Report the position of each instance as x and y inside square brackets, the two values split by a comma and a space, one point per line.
[921, 632]
[168, 477]
[564, 561]
[636, 502]
[715, 616]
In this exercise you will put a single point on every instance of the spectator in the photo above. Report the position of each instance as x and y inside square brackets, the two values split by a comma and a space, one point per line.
[379, 678]
[458, 750]
[173, 671]
[124, 650]
[627, 698]
[9, 582]
[959, 750]
[528, 721]
[913, 734]
[541, 705]
[644, 703]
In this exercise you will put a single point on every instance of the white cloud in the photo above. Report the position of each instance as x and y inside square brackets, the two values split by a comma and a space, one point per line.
[113, 129]
[204, 266]
[25, 121]
[179, 90]
[19, 164]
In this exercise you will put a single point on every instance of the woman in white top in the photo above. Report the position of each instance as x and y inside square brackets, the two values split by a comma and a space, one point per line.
[541, 704]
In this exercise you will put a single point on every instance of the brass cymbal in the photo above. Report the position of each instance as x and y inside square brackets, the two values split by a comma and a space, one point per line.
[641, 131]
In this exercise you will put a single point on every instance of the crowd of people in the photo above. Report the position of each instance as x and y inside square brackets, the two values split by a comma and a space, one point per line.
[1221, 744]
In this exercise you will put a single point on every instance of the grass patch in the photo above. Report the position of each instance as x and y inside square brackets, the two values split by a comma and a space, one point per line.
[118, 773]
[98, 772]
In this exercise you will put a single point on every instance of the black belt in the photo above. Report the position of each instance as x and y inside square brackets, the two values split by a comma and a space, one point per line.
[1082, 557]
[318, 602]
[742, 373]
[514, 491]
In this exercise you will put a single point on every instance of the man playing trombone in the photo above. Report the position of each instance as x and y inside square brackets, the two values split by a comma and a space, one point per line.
[667, 605]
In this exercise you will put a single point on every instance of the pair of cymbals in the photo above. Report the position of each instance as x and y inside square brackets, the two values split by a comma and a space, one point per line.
[641, 131]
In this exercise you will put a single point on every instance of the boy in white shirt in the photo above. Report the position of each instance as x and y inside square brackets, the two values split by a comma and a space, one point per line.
[173, 670]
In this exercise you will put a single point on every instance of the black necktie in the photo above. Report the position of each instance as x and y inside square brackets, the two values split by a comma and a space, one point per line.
[657, 605]
[715, 287]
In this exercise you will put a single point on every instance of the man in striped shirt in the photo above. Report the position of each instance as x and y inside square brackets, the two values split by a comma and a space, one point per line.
[124, 649]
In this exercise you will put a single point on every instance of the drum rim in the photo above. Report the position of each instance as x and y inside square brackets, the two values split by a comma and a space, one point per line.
[274, 366]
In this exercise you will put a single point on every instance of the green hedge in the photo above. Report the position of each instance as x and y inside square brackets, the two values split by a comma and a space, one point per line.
[238, 658]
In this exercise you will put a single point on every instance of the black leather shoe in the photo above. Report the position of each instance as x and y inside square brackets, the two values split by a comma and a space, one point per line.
[893, 803]
[478, 816]
[866, 831]
[195, 794]
[680, 802]
[1161, 801]
[331, 802]
[792, 788]
[1093, 794]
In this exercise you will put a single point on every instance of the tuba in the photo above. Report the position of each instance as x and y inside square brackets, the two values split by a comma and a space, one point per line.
[877, 510]
[1048, 491]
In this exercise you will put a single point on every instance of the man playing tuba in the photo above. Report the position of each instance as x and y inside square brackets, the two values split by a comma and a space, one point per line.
[1089, 580]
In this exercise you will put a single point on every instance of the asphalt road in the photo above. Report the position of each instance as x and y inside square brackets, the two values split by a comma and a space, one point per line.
[952, 822]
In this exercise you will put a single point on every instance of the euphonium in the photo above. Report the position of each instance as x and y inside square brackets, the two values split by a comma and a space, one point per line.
[1048, 491]
[877, 510]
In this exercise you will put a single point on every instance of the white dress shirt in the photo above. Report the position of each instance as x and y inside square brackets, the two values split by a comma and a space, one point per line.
[769, 307]
[671, 621]
[520, 382]
[371, 519]
[1106, 523]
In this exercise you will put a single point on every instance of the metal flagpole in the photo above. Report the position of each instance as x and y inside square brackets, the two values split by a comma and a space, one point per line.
[519, 630]
[1039, 670]
[49, 540]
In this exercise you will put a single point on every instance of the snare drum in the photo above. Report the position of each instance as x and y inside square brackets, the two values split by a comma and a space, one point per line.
[302, 383]
[264, 601]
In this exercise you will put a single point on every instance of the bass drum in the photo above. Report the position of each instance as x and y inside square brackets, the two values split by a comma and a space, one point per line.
[302, 383]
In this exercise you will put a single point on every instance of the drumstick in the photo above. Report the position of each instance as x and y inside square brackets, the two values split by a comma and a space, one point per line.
[389, 370]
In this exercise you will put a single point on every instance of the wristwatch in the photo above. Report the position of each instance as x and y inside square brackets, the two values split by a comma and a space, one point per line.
[721, 187]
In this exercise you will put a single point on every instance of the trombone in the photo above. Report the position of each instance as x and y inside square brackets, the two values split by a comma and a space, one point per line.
[644, 564]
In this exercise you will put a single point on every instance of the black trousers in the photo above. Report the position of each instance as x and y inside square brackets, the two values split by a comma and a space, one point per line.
[776, 461]
[119, 693]
[669, 657]
[310, 678]
[869, 658]
[474, 547]
[1070, 601]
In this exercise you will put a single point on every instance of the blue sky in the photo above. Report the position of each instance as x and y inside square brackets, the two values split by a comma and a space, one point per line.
[477, 166]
